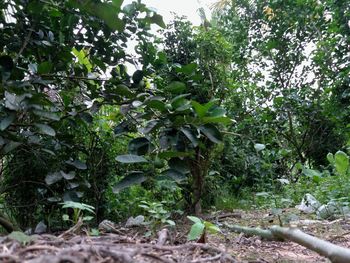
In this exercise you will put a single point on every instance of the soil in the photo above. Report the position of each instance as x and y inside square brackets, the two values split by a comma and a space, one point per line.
[130, 244]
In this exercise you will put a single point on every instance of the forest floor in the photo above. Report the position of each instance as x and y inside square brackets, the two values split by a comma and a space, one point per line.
[130, 245]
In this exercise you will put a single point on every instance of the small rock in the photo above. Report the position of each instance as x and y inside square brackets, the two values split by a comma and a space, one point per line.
[29, 231]
[137, 221]
[309, 204]
[107, 226]
[40, 228]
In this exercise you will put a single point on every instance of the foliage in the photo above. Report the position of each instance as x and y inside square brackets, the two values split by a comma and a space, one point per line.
[156, 215]
[200, 228]
[249, 102]
[78, 211]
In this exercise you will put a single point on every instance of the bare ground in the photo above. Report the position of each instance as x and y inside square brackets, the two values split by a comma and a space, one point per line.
[130, 245]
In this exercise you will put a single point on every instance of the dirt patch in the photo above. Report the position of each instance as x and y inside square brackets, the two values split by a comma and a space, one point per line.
[130, 245]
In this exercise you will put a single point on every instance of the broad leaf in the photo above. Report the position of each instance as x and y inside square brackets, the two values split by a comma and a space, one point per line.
[341, 162]
[211, 132]
[139, 146]
[191, 135]
[10, 146]
[45, 129]
[176, 87]
[176, 175]
[68, 176]
[129, 180]
[171, 154]
[131, 158]
[47, 114]
[44, 67]
[124, 90]
[194, 219]
[6, 122]
[187, 69]
[77, 164]
[196, 231]
[223, 120]
[150, 126]
[158, 20]
[178, 165]
[52, 178]
[202, 110]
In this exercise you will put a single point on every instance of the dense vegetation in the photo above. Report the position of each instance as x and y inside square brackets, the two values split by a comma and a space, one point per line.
[249, 109]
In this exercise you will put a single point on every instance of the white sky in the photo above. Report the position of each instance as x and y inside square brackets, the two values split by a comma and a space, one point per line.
[181, 7]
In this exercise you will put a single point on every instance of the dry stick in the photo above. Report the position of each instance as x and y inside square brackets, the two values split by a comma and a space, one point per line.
[333, 252]
[74, 228]
[156, 257]
[207, 259]
[249, 231]
[192, 246]
[222, 216]
[38, 247]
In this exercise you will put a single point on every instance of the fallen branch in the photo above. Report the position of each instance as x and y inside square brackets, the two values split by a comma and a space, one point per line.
[333, 252]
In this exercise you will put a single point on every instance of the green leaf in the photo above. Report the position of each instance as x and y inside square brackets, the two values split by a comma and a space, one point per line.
[194, 219]
[83, 59]
[52, 178]
[77, 164]
[94, 232]
[216, 111]
[176, 175]
[330, 158]
[200, 109]
[10, 146]
[178, 165]
[211, 132]
[187, 69]
[312, 173]
[150, 126]
[156, 103]
[158, 19]
[124, 90]
[105, 11]
[129, 180]
[21, 237]
[180, 101]
[196, 231]
[190, 135]
[6, 122]
[131, 158]
[213, 229]
[223, 120]
[117, 3]
[44, 67]
[171, 154]
[139, 146]
[77, 205]
[65, 217]
[47, 114]
[176, 87]
[68, 176]
[45, 129]
[341, 162]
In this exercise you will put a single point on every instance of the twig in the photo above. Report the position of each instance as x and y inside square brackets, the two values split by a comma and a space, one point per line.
[25, 43]
[73, 229]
